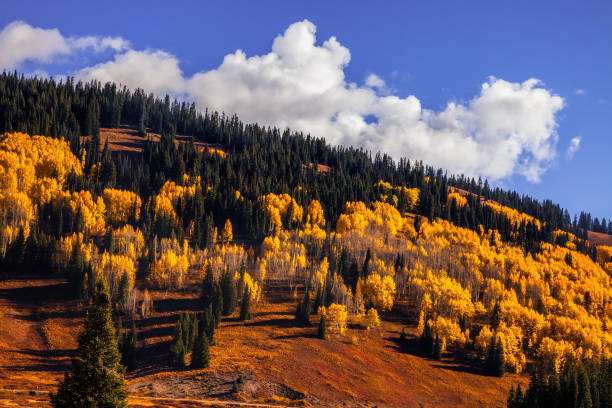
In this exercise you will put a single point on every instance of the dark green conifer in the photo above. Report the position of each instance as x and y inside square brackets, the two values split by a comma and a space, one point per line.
[322, 334]
[96, 377]
[217, 304]
[207, 324]
[200, 358]
[494, 363]
[495, 315]
[437, 348]
[245, 305]
[228, 287]
[127, 346]
[302, 311]
[177, 345]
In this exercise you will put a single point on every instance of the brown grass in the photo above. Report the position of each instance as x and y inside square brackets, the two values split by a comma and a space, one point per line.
[321, 168]
[279, 363]
[126, 139]
[599, 238]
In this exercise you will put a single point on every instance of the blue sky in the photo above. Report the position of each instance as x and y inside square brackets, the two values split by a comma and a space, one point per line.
[439, 52]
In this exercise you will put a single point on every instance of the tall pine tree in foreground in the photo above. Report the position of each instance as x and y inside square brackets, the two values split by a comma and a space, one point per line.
[96, 379]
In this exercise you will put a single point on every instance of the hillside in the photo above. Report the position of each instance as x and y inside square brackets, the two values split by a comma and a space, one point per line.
[287, 271]
[280, 362]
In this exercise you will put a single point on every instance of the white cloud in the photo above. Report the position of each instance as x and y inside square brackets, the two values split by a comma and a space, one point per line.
[573, 147]
[154, 71]
[507, 128]
[579, 91]
[20, 41]
[99, 44]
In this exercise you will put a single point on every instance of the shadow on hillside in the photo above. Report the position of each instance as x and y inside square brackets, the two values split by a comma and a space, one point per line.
[461, 368]
[312, 335]
[279, 323]
[260, 314]
[176, 305]
[409, 345]
[156, 332]
[154, 321]
[152, 368]
[454, 361]
[37, 367]
[44, 360]
[46, 354]
[35, 294]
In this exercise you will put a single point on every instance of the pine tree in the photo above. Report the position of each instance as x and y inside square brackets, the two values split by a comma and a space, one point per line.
[322, 328]
[245, 305]
[208, 287]
[302, 311]
[128, 348]
[96, 378]
[437, 348]
[499, 363]
[200, 358]
[366, 263]
[207, 324]
[229, 293]
[217, 304]
[584, 389]
[495, 315]
[494, 363]
[177, 346]
[427, 338]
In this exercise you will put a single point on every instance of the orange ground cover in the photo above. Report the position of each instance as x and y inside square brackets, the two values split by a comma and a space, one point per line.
[279, 363]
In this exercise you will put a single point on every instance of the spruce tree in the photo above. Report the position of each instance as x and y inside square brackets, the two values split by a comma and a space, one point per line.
[437, 348]
[495, 318]
[494, 363]
[499, 362]
[245, 306]
[427, 338]
[322, 328]
[366, 263]
[302, 311]
[177, 345]
[200, 358]
[207, 324]
[96, 378]
[131, 361]
[217, 304]
[229, 293]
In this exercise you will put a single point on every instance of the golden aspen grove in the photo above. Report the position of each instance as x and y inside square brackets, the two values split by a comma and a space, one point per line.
[239, 267]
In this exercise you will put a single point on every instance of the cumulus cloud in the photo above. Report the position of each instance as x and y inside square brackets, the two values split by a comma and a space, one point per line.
[507, 128]
[20, 42]
[99, 44]
[376, 82]
[573, 147]
[153, 71]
